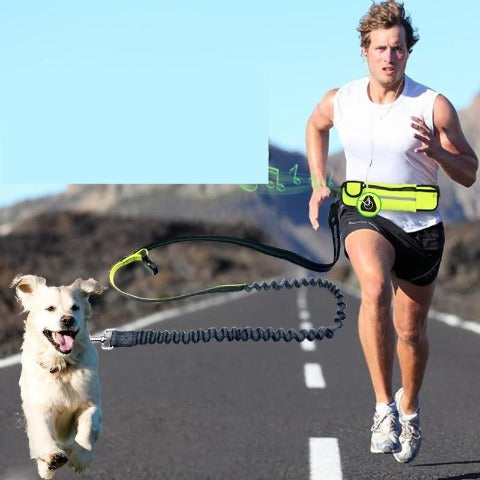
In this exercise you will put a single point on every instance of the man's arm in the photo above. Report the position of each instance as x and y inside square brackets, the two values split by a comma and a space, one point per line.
[317, 138]
[448, 145]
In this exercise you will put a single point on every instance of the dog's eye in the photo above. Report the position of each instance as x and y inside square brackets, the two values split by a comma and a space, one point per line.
[75, 307]
[51, 308]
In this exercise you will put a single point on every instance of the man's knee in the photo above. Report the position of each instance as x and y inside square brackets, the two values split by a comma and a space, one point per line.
[376, 293]
[411, 336]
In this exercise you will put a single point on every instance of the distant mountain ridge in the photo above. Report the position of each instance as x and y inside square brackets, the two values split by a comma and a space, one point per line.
[283, 216]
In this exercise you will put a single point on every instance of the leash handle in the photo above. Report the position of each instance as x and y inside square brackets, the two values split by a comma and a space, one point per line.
[141, 255]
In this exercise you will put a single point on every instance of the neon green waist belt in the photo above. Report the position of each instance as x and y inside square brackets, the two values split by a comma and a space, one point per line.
[370, 199]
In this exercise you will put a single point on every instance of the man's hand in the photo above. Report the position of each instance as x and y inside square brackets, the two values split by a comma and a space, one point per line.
[319, 195]
[430, 144]
[447, 145]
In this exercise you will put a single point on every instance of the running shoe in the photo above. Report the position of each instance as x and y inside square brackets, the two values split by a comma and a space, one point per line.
[411, 434]
[385, 429]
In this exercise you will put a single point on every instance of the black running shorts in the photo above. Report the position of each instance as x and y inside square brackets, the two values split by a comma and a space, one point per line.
[417, 254]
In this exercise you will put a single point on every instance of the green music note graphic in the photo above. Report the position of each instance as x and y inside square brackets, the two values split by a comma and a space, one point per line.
[296, 179]
[249, 188]
[276, 183]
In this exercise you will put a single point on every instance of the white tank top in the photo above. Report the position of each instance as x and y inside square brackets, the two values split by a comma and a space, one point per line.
[379, 142]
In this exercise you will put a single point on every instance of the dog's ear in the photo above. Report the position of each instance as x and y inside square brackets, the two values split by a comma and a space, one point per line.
[25, 286]
[87, 287]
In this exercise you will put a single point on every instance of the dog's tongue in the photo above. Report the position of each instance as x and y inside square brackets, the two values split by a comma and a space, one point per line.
[64, 341]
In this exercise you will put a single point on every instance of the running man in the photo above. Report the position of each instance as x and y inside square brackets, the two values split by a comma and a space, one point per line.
[396, 131]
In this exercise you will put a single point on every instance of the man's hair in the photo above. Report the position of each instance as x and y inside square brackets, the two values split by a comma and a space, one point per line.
[385, 15]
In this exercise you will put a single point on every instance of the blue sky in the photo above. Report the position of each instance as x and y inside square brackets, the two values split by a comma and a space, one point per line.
[117, 91]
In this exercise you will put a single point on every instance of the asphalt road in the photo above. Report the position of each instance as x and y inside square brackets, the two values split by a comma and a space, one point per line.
[243, 411]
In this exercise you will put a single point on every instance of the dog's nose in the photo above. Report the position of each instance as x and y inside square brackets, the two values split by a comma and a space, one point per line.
[67, 321]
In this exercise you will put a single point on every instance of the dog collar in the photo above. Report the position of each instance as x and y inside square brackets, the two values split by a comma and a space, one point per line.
[57, 369]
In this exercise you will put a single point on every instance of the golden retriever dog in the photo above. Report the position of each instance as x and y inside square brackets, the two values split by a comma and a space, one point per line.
[59, 382]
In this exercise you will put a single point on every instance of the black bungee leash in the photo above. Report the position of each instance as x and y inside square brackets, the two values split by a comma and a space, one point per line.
[116, 338]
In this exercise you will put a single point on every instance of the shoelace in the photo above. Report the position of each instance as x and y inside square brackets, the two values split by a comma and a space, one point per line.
[382, 426]
[410, 430]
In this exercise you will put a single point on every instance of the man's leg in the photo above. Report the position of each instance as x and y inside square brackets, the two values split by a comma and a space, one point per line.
[372, 258]
[411, 307]
[410, 320]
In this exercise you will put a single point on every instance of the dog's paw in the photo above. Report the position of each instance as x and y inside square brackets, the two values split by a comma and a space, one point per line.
[80, 459]
[57, 460]
[47, 467]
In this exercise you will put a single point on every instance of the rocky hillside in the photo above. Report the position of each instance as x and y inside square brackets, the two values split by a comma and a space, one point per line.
[459, 279]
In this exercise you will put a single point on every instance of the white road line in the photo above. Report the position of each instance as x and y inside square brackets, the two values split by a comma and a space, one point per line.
[454, 321]
[306, 325]
[302, 299]
[307, 345]
[9, 361]
[325, 461]
[304, 315]
[324, 452]
[314, 376]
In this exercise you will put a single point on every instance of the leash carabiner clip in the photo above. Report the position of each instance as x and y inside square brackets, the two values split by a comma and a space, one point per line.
[105, 340]
[147, 262]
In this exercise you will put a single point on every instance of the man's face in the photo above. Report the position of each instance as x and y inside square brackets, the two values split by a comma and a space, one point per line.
[387, 55]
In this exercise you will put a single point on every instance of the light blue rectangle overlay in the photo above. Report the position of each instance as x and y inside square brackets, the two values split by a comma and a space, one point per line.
[131, 92]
